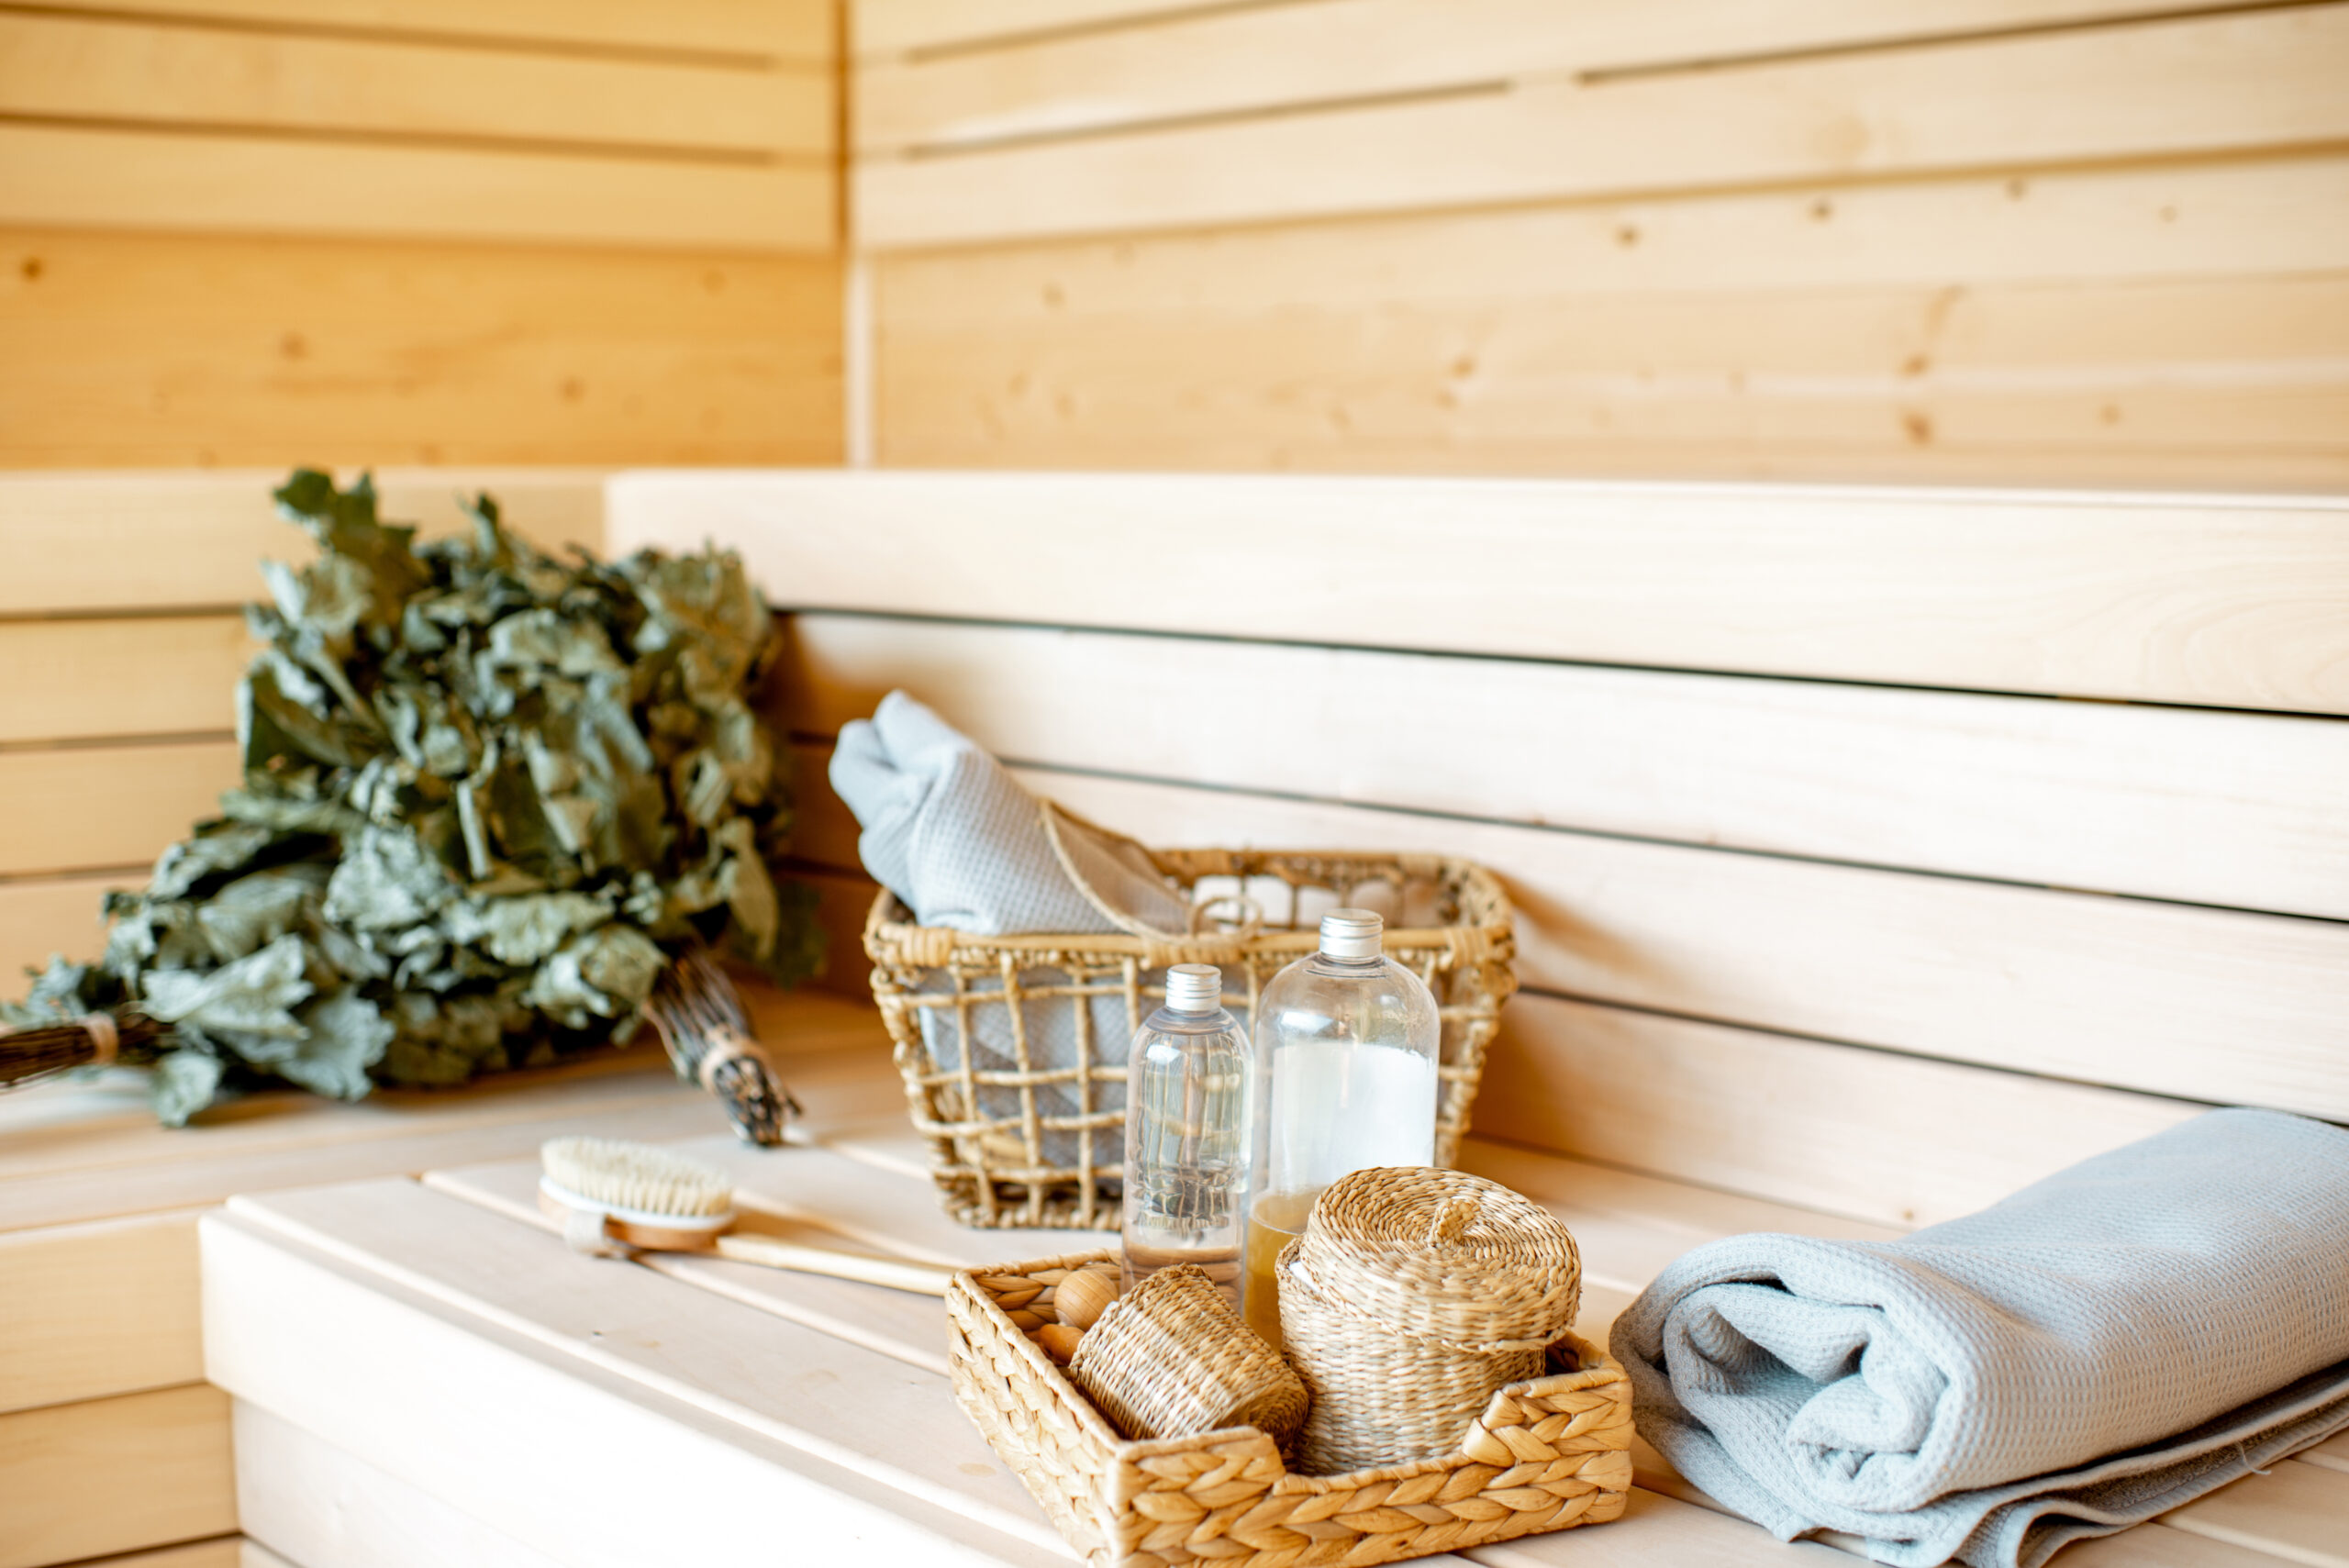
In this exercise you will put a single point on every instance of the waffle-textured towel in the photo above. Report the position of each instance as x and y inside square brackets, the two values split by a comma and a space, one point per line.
[948, 830]
[2105, 1345]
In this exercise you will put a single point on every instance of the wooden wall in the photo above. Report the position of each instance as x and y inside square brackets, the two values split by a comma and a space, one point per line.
[461, 231]
[2007, 242]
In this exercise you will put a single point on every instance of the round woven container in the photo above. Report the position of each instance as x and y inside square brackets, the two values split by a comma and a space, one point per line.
[1412, 1297]
[1172, 1359]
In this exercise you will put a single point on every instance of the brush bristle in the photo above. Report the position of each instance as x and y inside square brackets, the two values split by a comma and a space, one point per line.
[621, 1175]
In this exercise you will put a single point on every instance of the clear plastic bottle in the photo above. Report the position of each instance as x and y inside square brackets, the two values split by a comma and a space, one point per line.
[1346, 1044]
[1187, 1147]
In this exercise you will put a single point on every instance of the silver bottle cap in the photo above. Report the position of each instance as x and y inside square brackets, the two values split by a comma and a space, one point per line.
[1194, 988]
[1352, 933]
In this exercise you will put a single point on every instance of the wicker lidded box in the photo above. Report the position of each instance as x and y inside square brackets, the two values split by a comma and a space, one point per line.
[1546, 1454]
[1019, 1138]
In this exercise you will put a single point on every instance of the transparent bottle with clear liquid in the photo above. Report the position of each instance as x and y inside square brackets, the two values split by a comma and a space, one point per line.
[1346, 1044]
[1187, 1149]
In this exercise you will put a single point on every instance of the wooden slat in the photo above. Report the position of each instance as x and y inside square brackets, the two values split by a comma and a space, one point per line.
[107, 805]
[145, 349]
[88, 1311]
[325, 1509]
[221, 1552]
[2254, 216]
[2225, 808]
[2225, 382]
[86, 680]
[1234, 59]
[207, 78]
[2168, 598]
[789, 30]
[2234, 1009]
[882, 27]
[559, 1361]
[2163, 88]
[1898, 1139]
[135, 542]
[41, 917]
[2331, 1454]
[80, 176]
[116, 1475]
[2297, 1512]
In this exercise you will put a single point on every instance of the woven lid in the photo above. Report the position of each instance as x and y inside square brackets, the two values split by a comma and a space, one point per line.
[1441, 1256]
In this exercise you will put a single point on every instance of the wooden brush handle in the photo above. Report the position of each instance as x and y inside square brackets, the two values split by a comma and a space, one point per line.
[928, 1279]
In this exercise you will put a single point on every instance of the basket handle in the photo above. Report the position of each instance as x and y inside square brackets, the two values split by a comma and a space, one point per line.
[1054, 813]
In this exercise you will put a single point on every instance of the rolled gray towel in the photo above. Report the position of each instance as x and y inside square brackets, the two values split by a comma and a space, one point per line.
[960, 841]
[2103, 1346]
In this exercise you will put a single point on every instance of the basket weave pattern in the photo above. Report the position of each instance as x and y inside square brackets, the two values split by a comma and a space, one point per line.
[1546, 1454]
[1172, 1355]
[988, 1129]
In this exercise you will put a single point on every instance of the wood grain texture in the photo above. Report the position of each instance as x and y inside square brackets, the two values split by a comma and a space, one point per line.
[87, 680]
[82, 176]
[89, 1311]
[800, 30]
[2210, 382]
[205, 78]
[2297, 1512]
[325, 1509]
[190, 350]
[221, 1552]
[2191, 86]
[2169, 599]
[43, 917]
[2236, 1010]
[891, 26]
[116, 1475]
[1894, 1139]
[1170, 65]
[107, 805]
[127, 542]
[2227, 808]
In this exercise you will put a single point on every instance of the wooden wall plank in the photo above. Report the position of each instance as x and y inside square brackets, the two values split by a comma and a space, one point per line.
[221, 1552]
[89, 1311]
[1223, 60]
[2230, 380]
[788, 29]
[82, 176]
[2166, 598]
[2295, 1512]
[2192, 86]
[41, 917]
[107, 805]
[2242, 810]
[1895, 1139]
[209, 78]
[890, 26]
[85, 680]
[325, 1509]
[114, 1475]
[204, 351]
[2235, 1009]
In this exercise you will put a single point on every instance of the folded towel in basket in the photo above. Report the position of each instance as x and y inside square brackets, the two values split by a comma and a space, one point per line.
[2103, 1346]
[954, 835]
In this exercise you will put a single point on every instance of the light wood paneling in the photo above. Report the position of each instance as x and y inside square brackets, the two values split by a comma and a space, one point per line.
[2236, 602]
[86, 680]
[44, 916]
[114, 1475]
[2184, 88]
[113, 543]
[205, 77]
[2235, 809]
[79, 176]
[1894, 1139]
[2299, 1513]
[2212, 1006]
[1175, 65]
[325, 1509]
[887, 26]
[107, 805]
[87, 1311]
[800, 30]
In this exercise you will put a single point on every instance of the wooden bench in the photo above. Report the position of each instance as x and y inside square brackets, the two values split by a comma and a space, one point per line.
[1875, 853]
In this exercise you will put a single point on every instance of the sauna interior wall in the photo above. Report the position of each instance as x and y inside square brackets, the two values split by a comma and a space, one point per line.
[2075, 243]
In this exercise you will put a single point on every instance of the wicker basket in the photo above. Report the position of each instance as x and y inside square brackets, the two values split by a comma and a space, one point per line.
[1547, 1454]
[990, 1139]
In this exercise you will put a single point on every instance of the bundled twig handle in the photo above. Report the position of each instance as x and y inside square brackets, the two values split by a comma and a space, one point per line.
[700, 1019]
[95, 1039]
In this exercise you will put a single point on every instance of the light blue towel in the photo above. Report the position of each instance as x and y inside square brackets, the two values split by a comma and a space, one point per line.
[2106, 1345]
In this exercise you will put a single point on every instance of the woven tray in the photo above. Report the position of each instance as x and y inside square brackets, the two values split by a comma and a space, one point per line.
[1546, 1455]
[986, 1129]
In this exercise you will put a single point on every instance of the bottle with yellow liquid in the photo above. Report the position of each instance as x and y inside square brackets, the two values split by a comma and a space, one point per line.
[1346, 1042]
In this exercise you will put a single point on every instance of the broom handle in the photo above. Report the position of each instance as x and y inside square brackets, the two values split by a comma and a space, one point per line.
[926, 1279]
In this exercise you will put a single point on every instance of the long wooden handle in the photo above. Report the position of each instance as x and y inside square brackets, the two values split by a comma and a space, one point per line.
[928, 1279]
